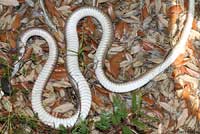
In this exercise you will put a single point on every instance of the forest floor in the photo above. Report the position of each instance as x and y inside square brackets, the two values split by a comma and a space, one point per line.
[145, 31]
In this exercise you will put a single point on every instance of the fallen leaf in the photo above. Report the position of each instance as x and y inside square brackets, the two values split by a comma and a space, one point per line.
[11, 37]
[182, 118]
[148, 100]
[51, 8]
[187, 78]
[9, 2]
[158, 6]
[175, 9]
[90, 25]
[59, 73]
[186, 92]
[173, 14]
[111, 11]
[16, 23]
[179, 60]
[194, 24]
[59, 35]
[97, 100]
[101, 90]
[120, 28]
[140, 33]
[167, 107]
[64, 108]
[171, 123]
[115, 64]
[21, 1]
[186, 4]
[144, 13]
[28, 54]
[7, 104]
[158, 112]
[192, 72]
[3, 37]
[147, 46]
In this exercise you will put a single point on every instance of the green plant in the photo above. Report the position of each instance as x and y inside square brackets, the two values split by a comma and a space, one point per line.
[126, 130]
[104, 123]
[12, 123]
[81, 128]
[124, 119]
[120, 111]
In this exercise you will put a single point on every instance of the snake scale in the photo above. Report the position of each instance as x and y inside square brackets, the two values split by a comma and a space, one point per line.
[76, 77]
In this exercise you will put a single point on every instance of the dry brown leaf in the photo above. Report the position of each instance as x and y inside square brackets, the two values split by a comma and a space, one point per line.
[158, 112]
[115, 64]
[3, 37]
[11, 37]
[198, 114]
[147, 46]
[28, 53]
[97, 100]
[175, 9]
[90, 25]
[51, 8]
[179, 60]
[173, 14]
[171, 123]
[194, 24]
[21, 85]
[120, 28]
[148, 100]
[130, 72]
[54, 12]
[16, 23]
[9, 2]
[186, 92]
[144, 13]
[59, 73]
[111, 11]
[59, 36]
[192, 72]
[102, 91]
[177, 72]
[21, 1]
[140, 33]
[64, 108]
[186, 4]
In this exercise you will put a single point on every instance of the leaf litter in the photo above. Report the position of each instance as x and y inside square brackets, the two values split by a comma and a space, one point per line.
[144, 32]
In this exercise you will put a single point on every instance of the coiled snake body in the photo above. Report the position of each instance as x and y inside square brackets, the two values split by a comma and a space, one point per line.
[76, 76]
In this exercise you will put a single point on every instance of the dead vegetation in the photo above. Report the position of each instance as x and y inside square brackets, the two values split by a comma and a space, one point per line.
[144, 33]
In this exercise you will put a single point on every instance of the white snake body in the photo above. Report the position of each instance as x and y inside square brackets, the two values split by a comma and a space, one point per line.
[72, 45]
[43, 77]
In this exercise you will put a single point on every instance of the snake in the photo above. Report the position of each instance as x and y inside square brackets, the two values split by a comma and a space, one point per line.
[72, 64]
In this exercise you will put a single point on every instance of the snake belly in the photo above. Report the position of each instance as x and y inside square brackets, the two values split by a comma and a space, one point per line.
[43, 78]
[106, 40]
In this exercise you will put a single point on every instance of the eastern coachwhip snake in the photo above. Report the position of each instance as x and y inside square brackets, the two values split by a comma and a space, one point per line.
[72, 45]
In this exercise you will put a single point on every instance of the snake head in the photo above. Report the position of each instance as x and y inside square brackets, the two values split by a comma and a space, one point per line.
[16, 68]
